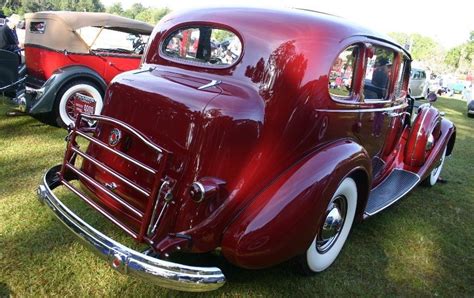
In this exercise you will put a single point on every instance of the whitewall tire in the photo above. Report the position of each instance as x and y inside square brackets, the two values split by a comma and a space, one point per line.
[436, 171]
[334, 229]
[65, 113]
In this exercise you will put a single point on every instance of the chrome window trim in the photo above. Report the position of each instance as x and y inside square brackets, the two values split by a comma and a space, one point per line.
[366, 110]
[190, 62]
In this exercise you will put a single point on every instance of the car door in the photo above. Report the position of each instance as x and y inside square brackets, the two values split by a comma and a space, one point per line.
[382, 104]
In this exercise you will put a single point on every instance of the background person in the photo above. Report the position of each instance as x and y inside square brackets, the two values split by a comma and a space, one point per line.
[381, 73]
[8, 37]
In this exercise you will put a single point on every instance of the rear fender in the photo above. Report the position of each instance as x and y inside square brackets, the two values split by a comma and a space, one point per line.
[45, 103]
[282, 221]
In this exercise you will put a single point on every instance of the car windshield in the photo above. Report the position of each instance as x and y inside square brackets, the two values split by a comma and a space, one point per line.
[102, 39]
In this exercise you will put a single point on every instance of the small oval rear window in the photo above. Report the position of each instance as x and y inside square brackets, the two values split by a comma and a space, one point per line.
[203, 46]
[37, 27]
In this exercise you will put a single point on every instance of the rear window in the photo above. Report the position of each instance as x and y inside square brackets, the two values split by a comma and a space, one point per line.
[203, 46]
[342, 73]
[37, 27]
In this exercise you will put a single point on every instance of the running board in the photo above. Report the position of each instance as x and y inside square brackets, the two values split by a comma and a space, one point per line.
[393, 188]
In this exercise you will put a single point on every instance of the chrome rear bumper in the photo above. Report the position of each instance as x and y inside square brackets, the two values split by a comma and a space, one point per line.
[124, 259]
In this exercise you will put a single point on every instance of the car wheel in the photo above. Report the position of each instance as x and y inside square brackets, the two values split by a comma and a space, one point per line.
[435, 172]
[68, 106]
[333, 231]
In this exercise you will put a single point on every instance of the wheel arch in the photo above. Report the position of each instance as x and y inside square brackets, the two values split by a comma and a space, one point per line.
[61, 78]
[269, 230]
[450, 146]
[362, 180]
[70, 74]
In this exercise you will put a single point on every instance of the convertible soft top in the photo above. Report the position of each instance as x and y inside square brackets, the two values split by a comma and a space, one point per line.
[60, 28]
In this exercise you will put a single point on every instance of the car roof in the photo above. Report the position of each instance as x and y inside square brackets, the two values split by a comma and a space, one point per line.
[292, 23]
[75, 20]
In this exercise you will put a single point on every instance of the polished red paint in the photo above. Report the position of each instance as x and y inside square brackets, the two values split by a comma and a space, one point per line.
[270, 132]
[42, 63]
[283, 219]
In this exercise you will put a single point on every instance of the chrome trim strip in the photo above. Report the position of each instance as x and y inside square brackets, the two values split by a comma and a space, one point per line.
[203, 191]
[369, 110]
[12, 84]
[110, 171]
[106, 190]
[153, 224]
[126, 157]
[125, 126]
[124, 259]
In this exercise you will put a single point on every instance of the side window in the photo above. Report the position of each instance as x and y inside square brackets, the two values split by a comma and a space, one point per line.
[113, 41]
[378, 73]
[203, 45]
[422, 75]
[399, 92]
[342, 73]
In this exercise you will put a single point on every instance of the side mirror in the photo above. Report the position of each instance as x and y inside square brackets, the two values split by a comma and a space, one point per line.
[432, 97]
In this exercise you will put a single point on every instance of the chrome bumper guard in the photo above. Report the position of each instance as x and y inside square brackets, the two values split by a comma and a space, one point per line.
[126, 260]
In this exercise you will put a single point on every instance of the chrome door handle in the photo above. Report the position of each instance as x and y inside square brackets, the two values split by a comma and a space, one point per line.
[394, 114]
[391, 114]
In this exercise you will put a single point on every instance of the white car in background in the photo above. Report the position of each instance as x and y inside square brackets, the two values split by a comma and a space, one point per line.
[418, 86]
[468, 95]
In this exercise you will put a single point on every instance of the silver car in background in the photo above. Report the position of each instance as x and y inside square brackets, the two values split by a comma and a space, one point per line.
[418, 86]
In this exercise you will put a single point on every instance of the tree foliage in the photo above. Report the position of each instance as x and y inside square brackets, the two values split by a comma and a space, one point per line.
[453, 57]
[136, 11]
[23, 6]
[422, 47]
[139, 12]
[461, 58]
[115, 8]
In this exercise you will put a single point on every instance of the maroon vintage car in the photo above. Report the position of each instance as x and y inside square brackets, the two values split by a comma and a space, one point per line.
[264, 140]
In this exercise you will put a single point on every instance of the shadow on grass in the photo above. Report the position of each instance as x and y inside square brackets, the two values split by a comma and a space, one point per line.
[5, 290]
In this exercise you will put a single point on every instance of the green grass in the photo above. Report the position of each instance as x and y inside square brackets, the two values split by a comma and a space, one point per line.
[423, 245]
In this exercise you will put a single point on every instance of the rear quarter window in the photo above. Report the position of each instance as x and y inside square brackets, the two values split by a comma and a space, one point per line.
[37, 27]
[203, 46]
[342, 74]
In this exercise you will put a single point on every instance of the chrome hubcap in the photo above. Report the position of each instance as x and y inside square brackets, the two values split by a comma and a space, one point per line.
[333, 223]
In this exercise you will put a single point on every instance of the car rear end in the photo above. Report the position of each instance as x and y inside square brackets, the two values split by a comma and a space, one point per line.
[133, 172]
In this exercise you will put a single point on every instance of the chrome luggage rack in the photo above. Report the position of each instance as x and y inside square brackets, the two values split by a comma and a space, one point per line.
[69, 171]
